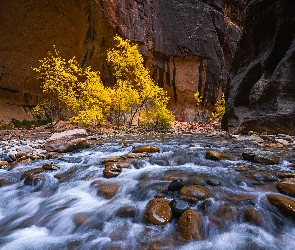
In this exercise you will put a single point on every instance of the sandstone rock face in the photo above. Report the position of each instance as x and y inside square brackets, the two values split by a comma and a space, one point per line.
[188, 45]
[261, 95]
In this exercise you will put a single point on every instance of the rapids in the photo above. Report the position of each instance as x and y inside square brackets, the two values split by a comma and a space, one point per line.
[66, 212]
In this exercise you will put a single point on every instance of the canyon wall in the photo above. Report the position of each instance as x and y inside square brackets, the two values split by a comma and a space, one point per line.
[188, 45]
[261, 93]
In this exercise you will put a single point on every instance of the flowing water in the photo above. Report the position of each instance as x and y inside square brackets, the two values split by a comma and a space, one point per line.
[66, 212]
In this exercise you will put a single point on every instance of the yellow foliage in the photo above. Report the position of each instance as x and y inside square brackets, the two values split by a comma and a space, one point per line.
[84, 94]
[220, 106]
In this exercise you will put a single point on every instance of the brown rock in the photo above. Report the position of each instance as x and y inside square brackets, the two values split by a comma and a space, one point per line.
[80, 219]
[126, 212]
[3, 163]
[48, 166]
[215, 155]
[158, 212]
[6, 181]
[111, 159]
[108, 190]
[112, 169]
[285, 204]
[32, 172]
[266, 157]
[34, 180]
[286, 175]
[193, 193]
[136, 155]
[253, 216]
[146, 149]
[287, 186]
[190, 223]
[124, 163]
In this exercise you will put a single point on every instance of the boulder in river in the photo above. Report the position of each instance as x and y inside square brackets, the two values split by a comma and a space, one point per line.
[176, 185]
[146, 149]
[31, 172]
[287, 186]
[35, 180]
[193, 193]
[266, 157]
[67, 141]
[112, 169]
[215, 155]
[108, 190]
[190, 225]
[158, 212]
[252, 215]
[285, 204]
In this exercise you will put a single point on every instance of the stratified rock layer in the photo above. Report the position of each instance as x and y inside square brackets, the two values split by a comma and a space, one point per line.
[261, 96]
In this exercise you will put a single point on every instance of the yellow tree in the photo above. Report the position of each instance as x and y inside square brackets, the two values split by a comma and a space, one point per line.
[145, 98]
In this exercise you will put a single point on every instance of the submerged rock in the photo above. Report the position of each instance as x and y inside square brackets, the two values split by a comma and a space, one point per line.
[179, 206]
[285, 204]
[35, 180]
[108, 190]
[146, 149]
[194, 193]
[111, 159]
[253, 216]
[158, 212]
[67, 141]
[190, 225]
[32, 172]
[176, 185]
[287, 186]
[215, 155]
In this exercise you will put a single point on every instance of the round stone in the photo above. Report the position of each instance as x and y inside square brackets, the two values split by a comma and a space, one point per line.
[190, 225]
[158, 212]
[193, 193]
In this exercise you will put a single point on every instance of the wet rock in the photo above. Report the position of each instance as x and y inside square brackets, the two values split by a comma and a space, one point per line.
[265, 137]
[285, 204]
[4, 181]
[3, 163]
[266, 157]
[248, 156]
[80, 218]
[48, 166]
[32, 172]
[286, 175]
[124, 163]
[127, 212]
[253, 216]
[176, 185]
[35, 180]
[112, 169]
[7, 158]
[111, 159]
[66, 174]
[67, 141]
[146, 149]
[108, 191]
[158, 212]
[193, 193]
[190, 225]
[287, 186]
[136, 155]
[215, 155]
[21, 156]
[179, 206]
[213, 182]
[227, 213]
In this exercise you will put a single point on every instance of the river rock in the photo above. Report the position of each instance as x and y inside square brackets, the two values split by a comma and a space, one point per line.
[111, 159]
[285, 204]
[80, 218]
[158, 212]
[190, 225]
[282, 141]
[287, 186]
[48, 166]
[248, 156]
[253, 216]
[179, 206]
[127, 212]
[266, 157]
[136, 155]
[146, 149]
[286, 175]
[194, 193]
[3, 163]
[215, 155]
[4, 181]
[124, 163]
[108, 190]
[67, 141]
[176, 185]
[34, 180]
[112, 169]
[32, 172]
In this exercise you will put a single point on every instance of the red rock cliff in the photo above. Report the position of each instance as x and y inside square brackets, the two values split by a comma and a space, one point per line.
[188, 45]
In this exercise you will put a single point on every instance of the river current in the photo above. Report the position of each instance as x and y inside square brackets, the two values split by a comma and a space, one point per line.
[67, 212]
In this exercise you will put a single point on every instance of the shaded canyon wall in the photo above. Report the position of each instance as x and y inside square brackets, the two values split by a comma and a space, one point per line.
[261, 95]
[188, 45]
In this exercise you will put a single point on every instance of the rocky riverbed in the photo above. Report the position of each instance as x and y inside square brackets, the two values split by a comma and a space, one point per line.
[189, 190]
